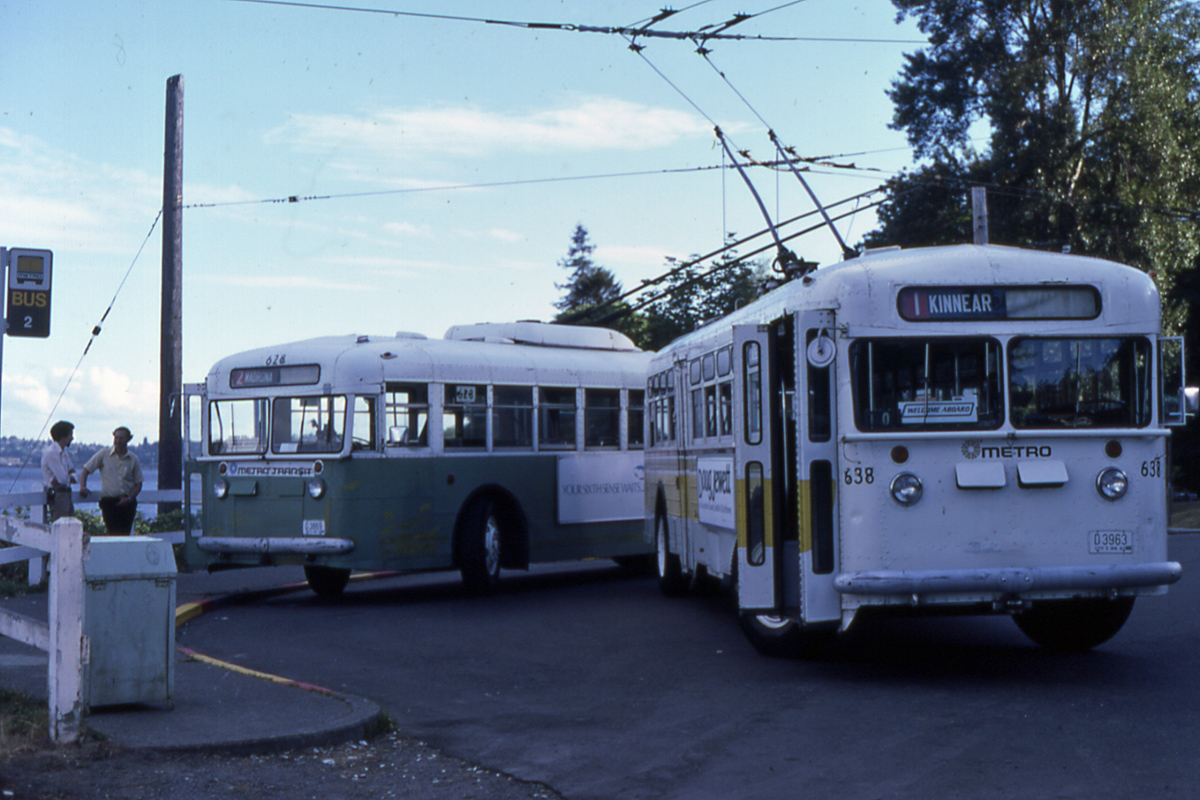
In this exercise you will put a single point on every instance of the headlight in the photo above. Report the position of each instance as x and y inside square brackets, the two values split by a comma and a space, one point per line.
[220, 488]
[1112, 483]
[316, 488]
[906, 488]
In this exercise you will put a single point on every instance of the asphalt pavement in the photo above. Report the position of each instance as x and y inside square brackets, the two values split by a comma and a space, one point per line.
[215, 707]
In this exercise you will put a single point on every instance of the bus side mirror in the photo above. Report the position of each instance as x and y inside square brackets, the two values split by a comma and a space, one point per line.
[1189, 399]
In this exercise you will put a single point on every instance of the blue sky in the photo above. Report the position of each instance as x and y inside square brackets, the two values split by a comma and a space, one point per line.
[380, 114]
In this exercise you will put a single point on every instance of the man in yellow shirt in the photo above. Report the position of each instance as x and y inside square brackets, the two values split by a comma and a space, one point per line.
[120, 482]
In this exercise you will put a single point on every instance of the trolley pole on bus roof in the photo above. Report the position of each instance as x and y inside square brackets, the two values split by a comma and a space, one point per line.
[170, 400]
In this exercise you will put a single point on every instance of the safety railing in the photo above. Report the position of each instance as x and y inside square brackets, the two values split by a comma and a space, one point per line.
[65, 543]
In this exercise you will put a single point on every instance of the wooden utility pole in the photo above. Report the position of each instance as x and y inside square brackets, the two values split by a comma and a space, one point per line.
[979, 213]
[170, 399]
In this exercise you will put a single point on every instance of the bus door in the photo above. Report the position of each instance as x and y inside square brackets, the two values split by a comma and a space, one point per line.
[195, 433]
[683, 425]
[817, 466]
[759, 461]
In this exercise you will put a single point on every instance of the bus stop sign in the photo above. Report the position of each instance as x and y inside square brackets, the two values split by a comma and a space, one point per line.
[28, 307]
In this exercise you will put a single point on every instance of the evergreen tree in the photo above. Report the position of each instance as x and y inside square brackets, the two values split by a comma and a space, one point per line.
[589, 284]
[591, 292]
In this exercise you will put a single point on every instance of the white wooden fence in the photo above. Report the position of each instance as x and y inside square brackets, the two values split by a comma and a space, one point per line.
[65, 545]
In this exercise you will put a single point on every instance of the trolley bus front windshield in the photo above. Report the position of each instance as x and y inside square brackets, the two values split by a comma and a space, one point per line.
[955, 384]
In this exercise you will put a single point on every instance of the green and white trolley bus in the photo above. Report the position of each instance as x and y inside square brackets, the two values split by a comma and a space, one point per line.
[971, 429]
[499, 446]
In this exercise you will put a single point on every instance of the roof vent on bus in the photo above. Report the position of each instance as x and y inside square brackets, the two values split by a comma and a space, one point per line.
[544, 334]
[409, 335]
[363, 339]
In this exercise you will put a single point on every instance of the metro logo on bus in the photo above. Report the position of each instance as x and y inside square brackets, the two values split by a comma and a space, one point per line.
[952, 304]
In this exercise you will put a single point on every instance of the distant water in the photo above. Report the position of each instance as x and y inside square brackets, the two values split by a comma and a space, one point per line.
[14, 480]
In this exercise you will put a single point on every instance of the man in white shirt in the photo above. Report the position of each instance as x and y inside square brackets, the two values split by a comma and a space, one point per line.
[58, 473]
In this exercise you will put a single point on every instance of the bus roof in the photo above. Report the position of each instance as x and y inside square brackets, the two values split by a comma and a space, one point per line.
[356, 363]
[864, 290]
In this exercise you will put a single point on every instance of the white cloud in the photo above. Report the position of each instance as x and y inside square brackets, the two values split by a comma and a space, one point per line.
[639, 256]
[284, 282]
[52, 198]
[585, 124]
[408, 229]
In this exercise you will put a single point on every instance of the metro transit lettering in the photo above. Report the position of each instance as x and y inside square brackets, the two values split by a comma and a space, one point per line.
[1017, 451]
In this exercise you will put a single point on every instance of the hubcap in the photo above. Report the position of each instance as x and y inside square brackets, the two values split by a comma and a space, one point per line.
[660, 548]
[491, 546]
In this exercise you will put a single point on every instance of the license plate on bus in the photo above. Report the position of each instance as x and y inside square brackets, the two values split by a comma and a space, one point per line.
[1109, 542]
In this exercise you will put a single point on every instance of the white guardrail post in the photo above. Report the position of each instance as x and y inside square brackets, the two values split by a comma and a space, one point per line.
[62, 638]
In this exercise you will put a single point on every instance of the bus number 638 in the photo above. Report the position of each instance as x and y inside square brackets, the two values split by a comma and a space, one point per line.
[859, 475]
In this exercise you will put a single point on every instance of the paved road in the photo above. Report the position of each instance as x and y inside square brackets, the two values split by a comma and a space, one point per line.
[590, 681]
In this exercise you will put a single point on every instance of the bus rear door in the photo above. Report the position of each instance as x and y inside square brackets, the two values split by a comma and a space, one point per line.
[758, 468]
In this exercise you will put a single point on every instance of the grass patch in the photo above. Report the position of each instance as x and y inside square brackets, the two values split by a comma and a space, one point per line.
[24, 722]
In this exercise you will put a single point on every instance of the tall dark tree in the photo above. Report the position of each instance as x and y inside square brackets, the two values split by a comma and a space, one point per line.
[589, 284]
[591, 292]
[1091, 111]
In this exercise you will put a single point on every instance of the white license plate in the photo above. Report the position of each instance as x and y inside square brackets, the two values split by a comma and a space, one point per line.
[314, 527]
[1108, 542]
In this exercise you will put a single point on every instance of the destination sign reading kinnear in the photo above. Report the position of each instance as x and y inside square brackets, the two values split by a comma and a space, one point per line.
[965, 303]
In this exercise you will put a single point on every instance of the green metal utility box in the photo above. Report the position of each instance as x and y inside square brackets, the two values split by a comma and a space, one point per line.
[129, 621]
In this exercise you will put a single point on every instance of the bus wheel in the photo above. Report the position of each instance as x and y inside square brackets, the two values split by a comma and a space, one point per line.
[479, 548]
[1073, 626]
[782, 637]
[326, 581]
[671, 581]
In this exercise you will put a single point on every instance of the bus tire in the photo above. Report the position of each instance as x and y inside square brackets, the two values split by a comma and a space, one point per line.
[782, 637]
[1072, 626]
[479, 547]
[671, 580]
[326, 581]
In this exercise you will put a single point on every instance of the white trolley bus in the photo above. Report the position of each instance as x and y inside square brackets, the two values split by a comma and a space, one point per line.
[498, 446]
[969, 429]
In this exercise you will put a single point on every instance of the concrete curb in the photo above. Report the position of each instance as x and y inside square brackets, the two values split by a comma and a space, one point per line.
[355, 718]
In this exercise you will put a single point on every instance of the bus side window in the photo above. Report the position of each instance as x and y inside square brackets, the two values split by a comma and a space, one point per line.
[464, 415]
[512, 416]
[406, 409]
[602, 418]
[364, 424]
[820, 412]
[635, 418]
[556, 418]
[752, 386]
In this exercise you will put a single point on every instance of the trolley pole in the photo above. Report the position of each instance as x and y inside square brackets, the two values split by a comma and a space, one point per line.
[170, 400]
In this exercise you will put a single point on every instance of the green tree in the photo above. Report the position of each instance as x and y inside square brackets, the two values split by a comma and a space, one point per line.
[696, 293]
[1089, 112]
[590, 284]
[591, 292]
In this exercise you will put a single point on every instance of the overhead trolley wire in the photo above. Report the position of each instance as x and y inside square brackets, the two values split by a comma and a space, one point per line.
[578, 28]
[83, 355]
[588, 315]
